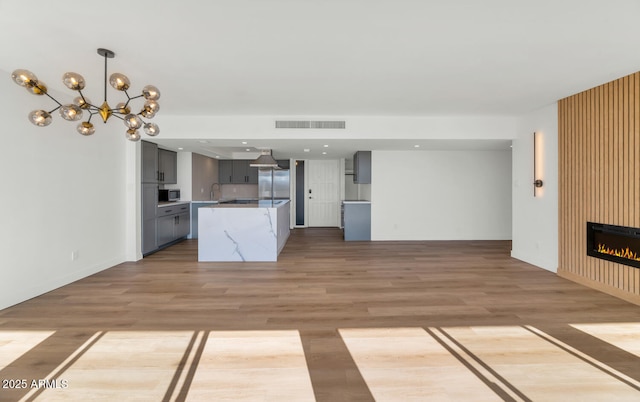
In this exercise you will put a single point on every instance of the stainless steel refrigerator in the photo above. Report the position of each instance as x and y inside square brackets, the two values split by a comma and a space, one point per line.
[273, 184]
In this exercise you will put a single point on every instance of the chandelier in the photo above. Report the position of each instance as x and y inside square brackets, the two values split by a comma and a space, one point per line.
[74, 111]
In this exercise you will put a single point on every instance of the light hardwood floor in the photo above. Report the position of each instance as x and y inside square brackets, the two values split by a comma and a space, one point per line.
[330, 321]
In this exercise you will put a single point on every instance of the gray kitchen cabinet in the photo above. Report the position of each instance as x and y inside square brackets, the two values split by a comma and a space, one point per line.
[183, 226]
[174, 223]
[166, 229]
[149, 217]
[225, 171]
[252, 174]
[357, 221]
[237, 171]
[362, 167]
[167, 166]
[240, 171]
[194, 216]
[149, 162]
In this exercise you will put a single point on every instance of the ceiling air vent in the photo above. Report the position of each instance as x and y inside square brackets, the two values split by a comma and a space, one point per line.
[309, 124]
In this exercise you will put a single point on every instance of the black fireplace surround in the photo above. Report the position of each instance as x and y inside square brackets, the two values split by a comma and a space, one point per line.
[620, 244]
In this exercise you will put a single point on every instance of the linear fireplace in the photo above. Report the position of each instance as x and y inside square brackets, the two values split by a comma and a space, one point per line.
[614, 243]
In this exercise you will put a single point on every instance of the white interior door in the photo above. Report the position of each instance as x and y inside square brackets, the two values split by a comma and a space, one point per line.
[323, 192]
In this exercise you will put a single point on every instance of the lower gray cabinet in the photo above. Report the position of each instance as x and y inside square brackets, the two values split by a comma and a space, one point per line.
[183, 224]
[149, 217]
[194, 216]
[357, 221]
[174, 222]
[166, 229]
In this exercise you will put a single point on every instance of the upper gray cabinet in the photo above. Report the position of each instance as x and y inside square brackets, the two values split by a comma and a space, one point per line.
[284, 163]
[225, 171]
[167, 166]
[158, 165]
[237, 171]
[362, 167]
[149, 162]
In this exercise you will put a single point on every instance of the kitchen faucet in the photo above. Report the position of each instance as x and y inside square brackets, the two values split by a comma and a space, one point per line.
[213, 186]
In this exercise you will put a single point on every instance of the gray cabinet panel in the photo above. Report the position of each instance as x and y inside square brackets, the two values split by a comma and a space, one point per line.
[166, 229]
[149, 162]
[183, 225]
[252, 174]
[225, 171]
[194, 217]
[357, 221]
[149, 213]
[237, 171]
[168, 166]
[362, 167]
[240, 171]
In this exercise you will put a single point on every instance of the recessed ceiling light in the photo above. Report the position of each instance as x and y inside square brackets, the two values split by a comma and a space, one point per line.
[180, 149]
[416, 146]
[324, 153]
[307, 150]
[244, 142]
[248, 149]
[326, 146]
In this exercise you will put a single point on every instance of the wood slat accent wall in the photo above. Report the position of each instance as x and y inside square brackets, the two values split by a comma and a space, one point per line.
[599, 180]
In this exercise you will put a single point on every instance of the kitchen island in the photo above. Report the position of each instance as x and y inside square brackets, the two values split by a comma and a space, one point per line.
[243, 232]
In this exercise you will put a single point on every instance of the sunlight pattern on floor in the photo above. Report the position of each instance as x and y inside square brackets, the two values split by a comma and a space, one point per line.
[408, 364]
[541, 367]
[483, 363]
[14, 344]
[625, 336]
[121, 366]
[250, 366]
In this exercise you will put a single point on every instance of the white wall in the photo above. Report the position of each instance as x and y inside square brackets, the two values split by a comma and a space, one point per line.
[535, 219]
[366, 127]
[64, 193]
[441, 195]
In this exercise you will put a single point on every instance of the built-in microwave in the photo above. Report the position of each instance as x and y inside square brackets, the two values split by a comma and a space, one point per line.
[168, 195]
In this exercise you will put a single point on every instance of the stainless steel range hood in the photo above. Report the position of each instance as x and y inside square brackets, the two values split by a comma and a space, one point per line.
[265, 160]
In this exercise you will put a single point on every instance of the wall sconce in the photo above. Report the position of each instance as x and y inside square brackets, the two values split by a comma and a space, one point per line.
[537, 163]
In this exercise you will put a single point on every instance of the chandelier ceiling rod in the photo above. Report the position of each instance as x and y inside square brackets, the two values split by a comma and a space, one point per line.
[74, 111]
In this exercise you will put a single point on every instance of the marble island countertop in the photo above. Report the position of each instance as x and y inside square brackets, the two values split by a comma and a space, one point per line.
[252, 204]
[171, 203]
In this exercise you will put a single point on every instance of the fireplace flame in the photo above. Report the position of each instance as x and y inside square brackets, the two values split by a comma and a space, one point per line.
[626, 253]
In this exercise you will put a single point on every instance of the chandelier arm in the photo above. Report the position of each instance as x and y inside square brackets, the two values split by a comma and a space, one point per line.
[53, 110]
[35, 84]
[105, 77]
[85, 100]
[135, 97]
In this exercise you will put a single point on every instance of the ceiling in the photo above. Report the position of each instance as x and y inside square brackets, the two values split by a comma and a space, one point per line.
[331, 58]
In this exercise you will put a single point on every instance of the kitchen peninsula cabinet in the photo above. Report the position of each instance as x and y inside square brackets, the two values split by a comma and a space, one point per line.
[356, 220]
